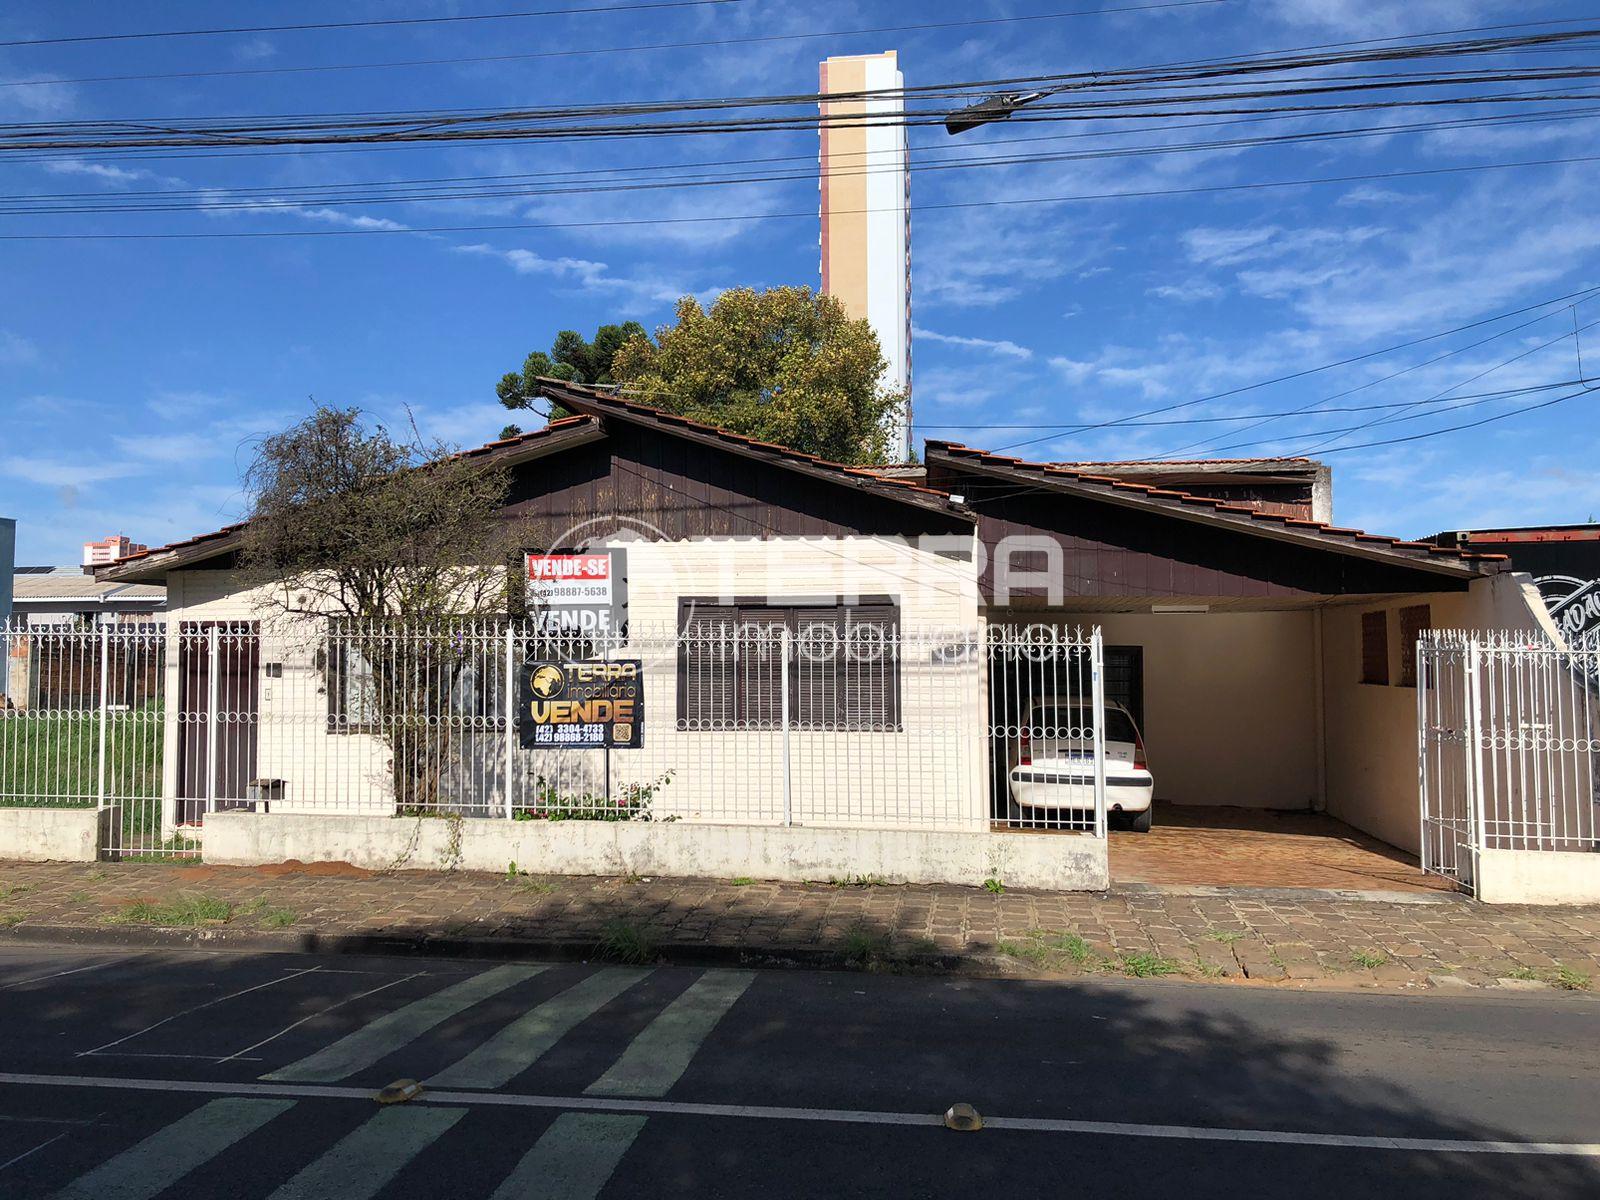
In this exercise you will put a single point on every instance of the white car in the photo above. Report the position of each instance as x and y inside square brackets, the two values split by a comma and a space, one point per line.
[1052, 762]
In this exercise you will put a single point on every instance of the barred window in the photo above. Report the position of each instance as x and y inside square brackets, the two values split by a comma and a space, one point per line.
[1413, 620]
[1375, 647]
[843, 665]
[452, 673]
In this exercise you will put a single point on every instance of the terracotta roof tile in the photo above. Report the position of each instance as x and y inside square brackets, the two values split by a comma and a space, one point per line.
[1188, 499]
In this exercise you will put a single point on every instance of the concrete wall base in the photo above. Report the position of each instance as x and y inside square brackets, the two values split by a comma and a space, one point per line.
[1053, 862]
[49, 834]
[1538, 877]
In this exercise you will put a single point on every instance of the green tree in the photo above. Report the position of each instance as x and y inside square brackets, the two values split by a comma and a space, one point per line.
[786, 365]
[571, 357]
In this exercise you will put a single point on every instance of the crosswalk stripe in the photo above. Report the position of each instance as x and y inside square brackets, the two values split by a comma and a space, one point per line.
[574, 1158]
[169, 1154]
[360, 1163]
[659, 1056]
[393, 1030]
[516, 1047]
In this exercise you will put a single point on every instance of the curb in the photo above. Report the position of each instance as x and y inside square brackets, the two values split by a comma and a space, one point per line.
[501, 949]
[975, 965]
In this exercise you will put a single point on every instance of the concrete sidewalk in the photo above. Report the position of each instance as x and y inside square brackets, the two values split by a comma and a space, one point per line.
[1301, 937]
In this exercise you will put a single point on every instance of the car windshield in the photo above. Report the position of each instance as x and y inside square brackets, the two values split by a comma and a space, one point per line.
[1063, 722]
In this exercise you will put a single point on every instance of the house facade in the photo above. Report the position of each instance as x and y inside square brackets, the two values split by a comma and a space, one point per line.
[835, 666]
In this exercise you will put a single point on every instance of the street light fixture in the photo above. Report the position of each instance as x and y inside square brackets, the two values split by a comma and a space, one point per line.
[990, 108]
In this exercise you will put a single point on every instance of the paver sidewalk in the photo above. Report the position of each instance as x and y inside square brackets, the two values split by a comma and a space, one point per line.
[1305, 938]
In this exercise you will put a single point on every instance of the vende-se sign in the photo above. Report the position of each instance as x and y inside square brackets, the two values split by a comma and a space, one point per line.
[578, 593]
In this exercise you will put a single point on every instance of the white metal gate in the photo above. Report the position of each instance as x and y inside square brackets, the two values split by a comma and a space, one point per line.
[83, 725]
[1508, 731]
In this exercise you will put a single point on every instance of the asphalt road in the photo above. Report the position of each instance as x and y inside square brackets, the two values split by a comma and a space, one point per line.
[125, 1076]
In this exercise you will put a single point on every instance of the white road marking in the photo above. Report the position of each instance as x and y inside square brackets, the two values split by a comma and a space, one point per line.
[173, 1151]
[360, 1163]
[573, 1159]
[761, 1112]
[58, 974]
[520, 1044]
[198, 1007]
[393, 1030]
[240, 1054]
[11, 1162]
[659, 1056]
[154, 1054]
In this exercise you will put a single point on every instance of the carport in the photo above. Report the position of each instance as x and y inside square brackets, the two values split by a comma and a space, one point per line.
[1265, 655]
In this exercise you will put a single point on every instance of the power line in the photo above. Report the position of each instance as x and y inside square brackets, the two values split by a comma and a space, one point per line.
[708, 43]
[1417, 437]
[1317, 405]
[387, 21]
[811, 214]
[548, 122]
[1472, 379]
[215, 199]
[1499, 394]
[1089, 427]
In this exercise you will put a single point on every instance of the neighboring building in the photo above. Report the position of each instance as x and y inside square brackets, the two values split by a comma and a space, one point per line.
[866, 213]
[1289, 487]
[8, 559]
[1564, 561]
[1265, 654]
[71, 596]
[109, 549]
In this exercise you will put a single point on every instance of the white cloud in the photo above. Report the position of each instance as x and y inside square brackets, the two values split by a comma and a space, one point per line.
[170, 447]
[636, 293]
[1186, 293]
[103, 172]
[254, 50]
[1001, 347]
[50, 472]
[16, 350]
[183, 405]
[333, 216]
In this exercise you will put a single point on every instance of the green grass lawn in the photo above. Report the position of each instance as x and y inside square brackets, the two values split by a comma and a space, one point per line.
[52, 759]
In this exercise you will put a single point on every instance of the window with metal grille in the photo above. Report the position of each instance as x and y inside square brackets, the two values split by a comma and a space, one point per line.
[1413, 620]
[446, 675]
[1375, 647]
[843, 665]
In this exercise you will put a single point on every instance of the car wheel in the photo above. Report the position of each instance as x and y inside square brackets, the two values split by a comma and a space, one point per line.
[1140, 822]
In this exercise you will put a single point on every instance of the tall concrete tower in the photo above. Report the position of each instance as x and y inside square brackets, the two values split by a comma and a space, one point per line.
[866, 214]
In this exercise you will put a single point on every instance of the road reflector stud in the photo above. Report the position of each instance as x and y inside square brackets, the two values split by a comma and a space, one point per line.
[402, 1090]
[963, 1118]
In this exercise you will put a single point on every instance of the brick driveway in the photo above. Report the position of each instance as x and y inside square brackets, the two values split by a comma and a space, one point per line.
[1242, 847]
[1302, 937]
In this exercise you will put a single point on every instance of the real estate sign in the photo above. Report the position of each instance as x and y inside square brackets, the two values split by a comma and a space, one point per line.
[581, 705]
[580, 593]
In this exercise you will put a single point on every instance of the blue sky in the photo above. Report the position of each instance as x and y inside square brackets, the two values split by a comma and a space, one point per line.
[135, 374]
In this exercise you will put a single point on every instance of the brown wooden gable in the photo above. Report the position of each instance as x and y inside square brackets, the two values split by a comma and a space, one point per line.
[1116, 545]
[660, 486]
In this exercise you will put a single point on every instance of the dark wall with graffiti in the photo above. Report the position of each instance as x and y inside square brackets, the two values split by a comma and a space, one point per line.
[1564, 561]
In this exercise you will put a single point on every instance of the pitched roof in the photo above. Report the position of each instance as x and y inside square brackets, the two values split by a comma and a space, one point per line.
[73, 585]
[1180, 503]
[503, 452]
[607, 405]
[594, 409]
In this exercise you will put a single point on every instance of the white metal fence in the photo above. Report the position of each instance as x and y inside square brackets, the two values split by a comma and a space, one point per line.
[827, 722]
[1509, 747]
